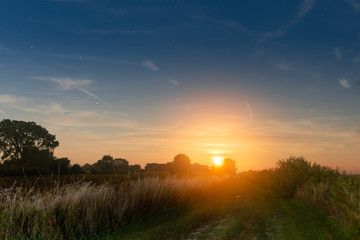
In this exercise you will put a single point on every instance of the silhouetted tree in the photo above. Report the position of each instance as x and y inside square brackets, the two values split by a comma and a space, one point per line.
[109, 165]
[20, 140]
[61, 165]
[199, 169]
[157, 167]
[181, 164]
[38, 161]
[135, 168]
[75, 169]
[105, 165]
[228, 167]
[87, 167]
[120, 165]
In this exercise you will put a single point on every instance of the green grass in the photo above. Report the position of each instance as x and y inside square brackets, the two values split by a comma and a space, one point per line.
[262, 216]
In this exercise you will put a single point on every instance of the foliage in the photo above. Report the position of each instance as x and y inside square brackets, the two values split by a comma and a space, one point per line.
[60, 165]
[294, 172]
[107, 164]
[181, 164]
[76, 169]
[339, 197]
[227, 168]
[25, 147]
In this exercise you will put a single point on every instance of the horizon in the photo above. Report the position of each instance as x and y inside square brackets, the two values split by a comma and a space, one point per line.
[255, 81]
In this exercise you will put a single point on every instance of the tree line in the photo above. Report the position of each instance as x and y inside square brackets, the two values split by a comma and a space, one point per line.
[28, 148]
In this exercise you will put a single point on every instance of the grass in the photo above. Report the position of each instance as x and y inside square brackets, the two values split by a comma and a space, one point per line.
[259, 214]
[340, 198]
[83, 209]
[278, 204]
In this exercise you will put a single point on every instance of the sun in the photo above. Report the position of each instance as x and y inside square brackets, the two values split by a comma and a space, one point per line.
[218, 161]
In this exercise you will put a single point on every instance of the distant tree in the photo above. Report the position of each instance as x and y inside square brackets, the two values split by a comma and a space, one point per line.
[87, 167]
[120, 165]
[135, 168]
[105, 165]
[75, 169]
[61, 165]
[227, 168]
[20, 141]
[181, 164]
[110, 165]
[199, 169]
[159, 167]
[156, 167]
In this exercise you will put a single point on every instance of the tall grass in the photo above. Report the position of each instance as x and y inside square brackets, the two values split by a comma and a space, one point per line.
[82, 209]
[339, 198]
[338, 194]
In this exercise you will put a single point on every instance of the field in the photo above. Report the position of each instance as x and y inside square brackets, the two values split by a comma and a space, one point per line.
[296, 200]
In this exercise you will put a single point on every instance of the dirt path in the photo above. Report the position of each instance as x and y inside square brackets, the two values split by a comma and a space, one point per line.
[262, 217]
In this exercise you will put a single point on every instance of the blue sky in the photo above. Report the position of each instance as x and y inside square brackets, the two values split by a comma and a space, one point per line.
[255, 80]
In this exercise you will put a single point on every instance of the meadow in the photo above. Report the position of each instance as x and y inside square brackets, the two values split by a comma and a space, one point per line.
[295, 200]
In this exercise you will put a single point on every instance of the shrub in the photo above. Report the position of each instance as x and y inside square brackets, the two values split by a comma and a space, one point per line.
[290, 174]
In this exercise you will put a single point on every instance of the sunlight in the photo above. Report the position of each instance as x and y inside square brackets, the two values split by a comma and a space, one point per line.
[218, 161]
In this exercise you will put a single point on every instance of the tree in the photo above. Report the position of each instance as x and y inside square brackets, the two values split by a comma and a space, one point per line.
[105, 164]
[75, 169]
[227, 168]
[60, 165]
[181, 163]
[110, 165]
[19, 139]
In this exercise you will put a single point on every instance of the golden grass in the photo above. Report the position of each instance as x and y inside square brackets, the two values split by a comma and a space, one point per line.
[82, 209]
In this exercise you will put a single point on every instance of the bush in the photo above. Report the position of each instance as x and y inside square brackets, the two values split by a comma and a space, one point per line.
[294, 172]
[289, 174]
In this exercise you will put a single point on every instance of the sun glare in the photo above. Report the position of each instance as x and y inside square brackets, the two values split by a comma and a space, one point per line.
[218, 161]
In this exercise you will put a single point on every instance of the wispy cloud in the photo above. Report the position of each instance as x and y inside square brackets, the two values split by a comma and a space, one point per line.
[305, 7]
[338, 53]
[66, 84]
[250, 111]
[355, 4]
[150, 65]
[5, 98]
[285, 65]
[147, 63]
[5, 49]
[173, 82]
[344, 83]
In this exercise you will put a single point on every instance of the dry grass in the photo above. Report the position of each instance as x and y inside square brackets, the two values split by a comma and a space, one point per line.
[83, 209]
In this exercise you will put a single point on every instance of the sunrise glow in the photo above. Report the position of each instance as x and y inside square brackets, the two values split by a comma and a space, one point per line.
[218, 161]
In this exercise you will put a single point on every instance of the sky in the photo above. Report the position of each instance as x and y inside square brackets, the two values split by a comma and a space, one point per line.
[254, 80]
